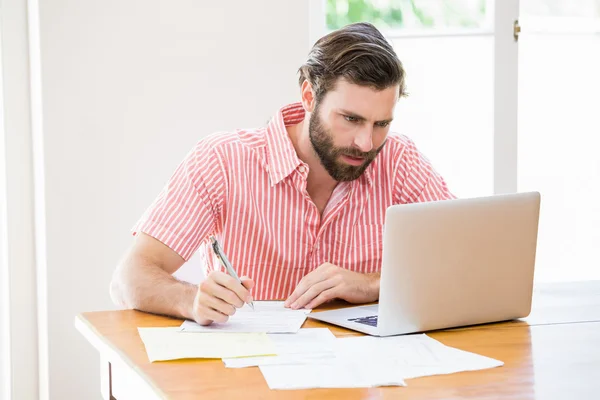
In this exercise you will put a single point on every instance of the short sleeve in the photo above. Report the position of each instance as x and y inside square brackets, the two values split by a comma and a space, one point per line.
[189, 206]
[416, 180]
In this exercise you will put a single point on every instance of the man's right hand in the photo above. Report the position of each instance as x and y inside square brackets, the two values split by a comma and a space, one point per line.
[218, 296]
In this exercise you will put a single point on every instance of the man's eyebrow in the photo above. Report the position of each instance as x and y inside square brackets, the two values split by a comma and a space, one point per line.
[352, 114]
[361, 118]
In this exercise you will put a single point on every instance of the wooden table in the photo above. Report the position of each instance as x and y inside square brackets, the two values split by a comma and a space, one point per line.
[553, 354]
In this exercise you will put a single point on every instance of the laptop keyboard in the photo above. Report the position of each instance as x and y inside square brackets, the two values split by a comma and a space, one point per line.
[371, 320]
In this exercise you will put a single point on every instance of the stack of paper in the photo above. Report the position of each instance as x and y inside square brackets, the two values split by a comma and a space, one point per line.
[267, 317]
[244, 335]
[370, 361]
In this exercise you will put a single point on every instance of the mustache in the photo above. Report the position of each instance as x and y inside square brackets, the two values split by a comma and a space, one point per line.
[354, 152]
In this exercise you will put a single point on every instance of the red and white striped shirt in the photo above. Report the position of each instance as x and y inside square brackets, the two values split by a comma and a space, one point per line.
[248, 188]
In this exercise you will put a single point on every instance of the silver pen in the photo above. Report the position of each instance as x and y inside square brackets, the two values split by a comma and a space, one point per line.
[223, 258]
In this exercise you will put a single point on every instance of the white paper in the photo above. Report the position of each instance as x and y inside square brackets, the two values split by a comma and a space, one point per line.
[267, 317]
[170, 344]
[415, 355]
[292, 348]
[347, 369]
[452, 360]
[329, 375]
[368, 361]
[343, 370]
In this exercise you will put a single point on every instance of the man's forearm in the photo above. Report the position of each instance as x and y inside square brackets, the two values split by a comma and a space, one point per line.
[140, 285]
[374, 282]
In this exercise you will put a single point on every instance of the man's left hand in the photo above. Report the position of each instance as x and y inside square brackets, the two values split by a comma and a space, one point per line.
[329, 282]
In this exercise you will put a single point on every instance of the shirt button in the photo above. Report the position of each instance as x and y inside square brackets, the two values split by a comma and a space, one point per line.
[301, 168]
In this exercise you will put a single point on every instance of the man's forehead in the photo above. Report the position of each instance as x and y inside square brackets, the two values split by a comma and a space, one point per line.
[362, 101]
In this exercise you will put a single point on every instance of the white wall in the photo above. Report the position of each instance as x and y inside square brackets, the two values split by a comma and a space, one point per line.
[127, 88]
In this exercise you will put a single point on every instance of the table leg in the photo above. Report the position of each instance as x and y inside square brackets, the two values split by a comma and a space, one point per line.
[106, 379]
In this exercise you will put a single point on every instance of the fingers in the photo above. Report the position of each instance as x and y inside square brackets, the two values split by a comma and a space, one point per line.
[218, 305]
[248, 284]
[215, 290]
[312, 278]
[323, 297]
[218, 296]
[311, 293]
[205, 314]
[299, 291]
[303, 286]
[231, 284]
[208, 316]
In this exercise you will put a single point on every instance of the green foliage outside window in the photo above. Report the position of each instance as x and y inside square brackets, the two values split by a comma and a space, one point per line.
[399, 14]
[453, 14]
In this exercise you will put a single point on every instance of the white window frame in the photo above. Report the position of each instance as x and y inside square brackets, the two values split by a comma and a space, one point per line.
[506, 96]
[5, 348]
[23, 330]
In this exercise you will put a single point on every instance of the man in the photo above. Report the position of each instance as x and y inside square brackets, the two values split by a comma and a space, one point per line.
[298, 206]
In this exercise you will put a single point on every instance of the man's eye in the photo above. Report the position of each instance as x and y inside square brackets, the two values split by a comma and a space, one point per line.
[382, 124]
[350, 119]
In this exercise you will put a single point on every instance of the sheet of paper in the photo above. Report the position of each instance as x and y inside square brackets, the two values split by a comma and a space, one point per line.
[415, 355]
[292, 348]
[170, 344]
[451, 360]
[343, 370]
[349, 368]
[368, 361]
[328, 375]
[267, 317]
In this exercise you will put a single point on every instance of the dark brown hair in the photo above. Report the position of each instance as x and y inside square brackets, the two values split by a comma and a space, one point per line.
[357, 52]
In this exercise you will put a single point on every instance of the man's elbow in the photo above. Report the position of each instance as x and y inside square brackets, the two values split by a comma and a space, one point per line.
[119, 292]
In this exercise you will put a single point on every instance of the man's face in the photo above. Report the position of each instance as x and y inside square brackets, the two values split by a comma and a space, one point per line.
[348, 127]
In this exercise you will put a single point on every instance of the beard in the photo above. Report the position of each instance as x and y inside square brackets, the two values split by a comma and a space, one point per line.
[322, 141]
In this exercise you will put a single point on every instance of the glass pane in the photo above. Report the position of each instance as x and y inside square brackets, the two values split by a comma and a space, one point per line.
[449, 110]
[412, 14]
[559, 137]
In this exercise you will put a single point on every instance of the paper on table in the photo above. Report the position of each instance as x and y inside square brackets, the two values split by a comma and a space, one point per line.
[341, 371]
[267, 316]
[387, 360]
[170, 344]
[272, 306]
[452, 360]
[338, 374]
[292, 348]
[416, 355]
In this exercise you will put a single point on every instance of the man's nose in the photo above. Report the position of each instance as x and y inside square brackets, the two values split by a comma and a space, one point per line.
[364, 140]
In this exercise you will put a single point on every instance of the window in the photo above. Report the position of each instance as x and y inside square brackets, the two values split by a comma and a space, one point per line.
[559, 132]
[447, 47]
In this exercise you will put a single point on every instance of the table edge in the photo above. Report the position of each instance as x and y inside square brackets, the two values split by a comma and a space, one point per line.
[111, 353]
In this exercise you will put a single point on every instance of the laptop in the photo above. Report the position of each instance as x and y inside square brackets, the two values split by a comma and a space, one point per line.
[451, 263]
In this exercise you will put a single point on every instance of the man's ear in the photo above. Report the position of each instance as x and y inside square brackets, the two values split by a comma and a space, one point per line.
[308, 96]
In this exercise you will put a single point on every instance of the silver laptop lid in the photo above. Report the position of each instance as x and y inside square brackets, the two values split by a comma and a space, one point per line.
[458, 262]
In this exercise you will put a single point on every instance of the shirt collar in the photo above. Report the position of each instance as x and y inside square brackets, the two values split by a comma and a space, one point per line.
[282, 155]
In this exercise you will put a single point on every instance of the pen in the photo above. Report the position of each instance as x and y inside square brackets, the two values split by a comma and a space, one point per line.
[223, 258]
